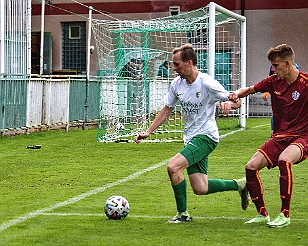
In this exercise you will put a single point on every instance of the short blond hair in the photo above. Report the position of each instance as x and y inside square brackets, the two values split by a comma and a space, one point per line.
[187, 53]
[282, 51]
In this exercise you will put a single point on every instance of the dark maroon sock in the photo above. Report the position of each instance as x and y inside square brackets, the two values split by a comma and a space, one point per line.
[254, 186]
[286, 183]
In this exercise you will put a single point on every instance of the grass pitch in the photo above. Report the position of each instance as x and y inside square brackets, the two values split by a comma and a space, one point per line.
[55, 195]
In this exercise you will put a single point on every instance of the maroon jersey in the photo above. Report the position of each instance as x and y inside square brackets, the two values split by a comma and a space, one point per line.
[289, 103]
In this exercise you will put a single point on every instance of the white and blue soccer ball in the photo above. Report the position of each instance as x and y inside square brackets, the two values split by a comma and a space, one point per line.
[116, 207]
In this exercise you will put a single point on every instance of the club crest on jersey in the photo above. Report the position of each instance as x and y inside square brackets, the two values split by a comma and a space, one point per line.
[295, 95]
[198, 94]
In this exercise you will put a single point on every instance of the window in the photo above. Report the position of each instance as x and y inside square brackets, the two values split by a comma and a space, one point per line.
[174, 10]
[74, 32]
[74, 55]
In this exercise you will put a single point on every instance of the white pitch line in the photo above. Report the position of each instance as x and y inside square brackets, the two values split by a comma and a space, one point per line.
[230, 133]
[142, 216]
[155, 217]
[33, 214]
[241, 129]
[261, 126]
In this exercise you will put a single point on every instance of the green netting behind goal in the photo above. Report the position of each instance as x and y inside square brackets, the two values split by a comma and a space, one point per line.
[130, 55]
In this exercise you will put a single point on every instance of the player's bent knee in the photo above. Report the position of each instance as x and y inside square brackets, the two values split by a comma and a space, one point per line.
[200, 191]
[254, 166]
[249, 166]
[172, 169]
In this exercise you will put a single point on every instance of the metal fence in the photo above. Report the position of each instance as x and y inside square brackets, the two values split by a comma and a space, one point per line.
[33, 101]
[13, 100]
[46, 100]
[258, 107]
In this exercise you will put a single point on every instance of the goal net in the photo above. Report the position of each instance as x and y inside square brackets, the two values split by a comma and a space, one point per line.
[133, 80]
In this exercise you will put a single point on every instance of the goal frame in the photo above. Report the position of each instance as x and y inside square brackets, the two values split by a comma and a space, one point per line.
[115, 130]
[213, 7]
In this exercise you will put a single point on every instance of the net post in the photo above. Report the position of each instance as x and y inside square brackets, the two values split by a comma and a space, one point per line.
[243, 109]
[211, 56]
[88, 68]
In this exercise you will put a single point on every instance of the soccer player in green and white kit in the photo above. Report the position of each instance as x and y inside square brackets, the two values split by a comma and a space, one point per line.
[198, 94]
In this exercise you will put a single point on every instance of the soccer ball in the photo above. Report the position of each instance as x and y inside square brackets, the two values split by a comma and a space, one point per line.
[116, 207]
[120, 127]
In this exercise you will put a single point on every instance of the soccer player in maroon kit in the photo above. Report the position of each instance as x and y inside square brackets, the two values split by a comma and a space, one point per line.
[289, 141]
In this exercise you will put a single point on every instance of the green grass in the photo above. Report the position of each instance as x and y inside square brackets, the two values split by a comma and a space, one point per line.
[50, 196]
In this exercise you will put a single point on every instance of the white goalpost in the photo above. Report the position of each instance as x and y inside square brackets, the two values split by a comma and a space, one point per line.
[130, 54]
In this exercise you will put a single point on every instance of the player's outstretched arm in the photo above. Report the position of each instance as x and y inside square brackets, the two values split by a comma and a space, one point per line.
[225, 107]
[141, 136]
[244, 92]
[240, 93]
[160, 118]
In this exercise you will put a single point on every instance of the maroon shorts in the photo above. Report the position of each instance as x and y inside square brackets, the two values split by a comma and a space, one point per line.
[273, 147]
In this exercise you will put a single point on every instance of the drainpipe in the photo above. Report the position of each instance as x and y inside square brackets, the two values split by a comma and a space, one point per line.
[243, 7]
[42, 36]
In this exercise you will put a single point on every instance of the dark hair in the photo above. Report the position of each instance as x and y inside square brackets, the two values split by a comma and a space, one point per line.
[187, 53]
[166, 63]
[282, 51]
